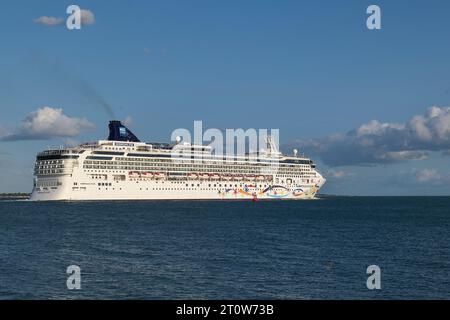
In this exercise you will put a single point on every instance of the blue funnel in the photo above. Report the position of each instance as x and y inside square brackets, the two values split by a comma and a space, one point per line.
[118, 132]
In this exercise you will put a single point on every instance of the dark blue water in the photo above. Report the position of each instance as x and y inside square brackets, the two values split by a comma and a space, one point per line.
[227, 250]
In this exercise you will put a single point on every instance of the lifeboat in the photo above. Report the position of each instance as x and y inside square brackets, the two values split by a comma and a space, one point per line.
[203, 176]
[159, 175]
[215, 176]
[134, 174]
[238, 178]
[260, 178]
[147, 175]
[192, 176]
[227, 177]
[250, 178]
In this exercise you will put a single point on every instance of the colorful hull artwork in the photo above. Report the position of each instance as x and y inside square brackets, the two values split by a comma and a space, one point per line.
[271, 192]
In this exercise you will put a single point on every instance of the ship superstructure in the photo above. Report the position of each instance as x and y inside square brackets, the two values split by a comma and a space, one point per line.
[124, 168]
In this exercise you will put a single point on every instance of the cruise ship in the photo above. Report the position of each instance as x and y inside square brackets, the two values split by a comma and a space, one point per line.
[124, 168]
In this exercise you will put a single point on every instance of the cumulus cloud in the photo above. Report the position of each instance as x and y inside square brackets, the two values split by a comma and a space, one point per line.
[49, 21]
[427, 175]
[46, 123]
[376, 142]
[87, 18]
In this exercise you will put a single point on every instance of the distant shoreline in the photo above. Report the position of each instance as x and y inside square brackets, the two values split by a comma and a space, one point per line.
[14, 196]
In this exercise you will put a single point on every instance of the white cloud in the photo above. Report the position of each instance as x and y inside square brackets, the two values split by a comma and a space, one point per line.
[46, 123]
[427, 175]
[87, 17]
[377, 142]
[49, 21]
[405, 155]
[377, 128]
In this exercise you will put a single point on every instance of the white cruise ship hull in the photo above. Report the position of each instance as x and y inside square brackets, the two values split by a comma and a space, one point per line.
[170, 190]
[123, 168]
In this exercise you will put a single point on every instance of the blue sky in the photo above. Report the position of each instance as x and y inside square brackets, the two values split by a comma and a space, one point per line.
[310, 68]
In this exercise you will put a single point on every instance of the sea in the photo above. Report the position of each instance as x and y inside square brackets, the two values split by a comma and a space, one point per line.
[312, 249]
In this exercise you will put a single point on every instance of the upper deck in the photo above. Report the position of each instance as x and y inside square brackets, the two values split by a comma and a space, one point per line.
[115, 154]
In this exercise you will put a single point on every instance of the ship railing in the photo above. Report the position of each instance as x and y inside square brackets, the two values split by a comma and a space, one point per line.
[89, 145]
[52, 152]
